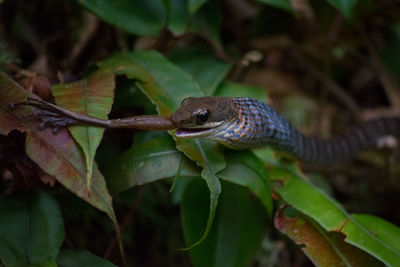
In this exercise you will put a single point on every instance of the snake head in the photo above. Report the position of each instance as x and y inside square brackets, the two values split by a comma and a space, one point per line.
[203, 116]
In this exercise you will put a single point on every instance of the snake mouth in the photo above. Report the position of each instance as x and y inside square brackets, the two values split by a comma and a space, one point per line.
[193, 132]
[200, 131]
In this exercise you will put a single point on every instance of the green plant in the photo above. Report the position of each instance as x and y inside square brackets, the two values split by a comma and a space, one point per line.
[224, 196]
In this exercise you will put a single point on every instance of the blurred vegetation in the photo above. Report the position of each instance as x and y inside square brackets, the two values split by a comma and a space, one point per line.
[323, 64]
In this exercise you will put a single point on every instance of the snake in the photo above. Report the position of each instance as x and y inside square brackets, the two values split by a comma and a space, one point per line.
[241, 123]
[238, 123]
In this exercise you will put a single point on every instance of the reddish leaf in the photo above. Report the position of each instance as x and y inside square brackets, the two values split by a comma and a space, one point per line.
[11, 93]
[45, 177]
[91, 96]
[330, 215]
[37, 84]
[323, 248]
[58, 155]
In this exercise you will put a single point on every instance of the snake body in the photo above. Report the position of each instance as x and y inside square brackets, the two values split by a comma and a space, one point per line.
[246, 122]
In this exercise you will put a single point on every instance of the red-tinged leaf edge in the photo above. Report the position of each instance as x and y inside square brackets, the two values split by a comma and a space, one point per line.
[12, 93]
[18, 119]
[92, 96]
[321, 247]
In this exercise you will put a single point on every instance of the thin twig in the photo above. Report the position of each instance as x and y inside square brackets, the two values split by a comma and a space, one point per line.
[330, 84]
[388, 82]
[125, 223]
[88, 33]
[379, 113]
[245, 63]
[303, 9]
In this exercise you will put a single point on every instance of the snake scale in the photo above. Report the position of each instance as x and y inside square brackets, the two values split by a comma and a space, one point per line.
[245, 123]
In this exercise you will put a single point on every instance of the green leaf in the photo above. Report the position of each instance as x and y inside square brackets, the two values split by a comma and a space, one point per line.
[232, 89]
[194, 5]
[237, 230]
[331, 216]
[92, 96]
[214, 186]
[205, 68]
[163, 83]
[389, 53]
[323, 248]
[146, 162]
[282, 4]
[166, 85]
[346, 7]
[243, 168]
[206, 154]
[178, 16]
[207, 23]
[69, 258]
[380, 228]
[136, 17]
[31, 229]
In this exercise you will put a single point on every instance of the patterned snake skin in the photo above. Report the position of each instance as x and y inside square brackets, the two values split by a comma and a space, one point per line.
[257, 124]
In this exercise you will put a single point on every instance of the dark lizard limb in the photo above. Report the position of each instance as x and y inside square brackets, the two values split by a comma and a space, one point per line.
[57, 117]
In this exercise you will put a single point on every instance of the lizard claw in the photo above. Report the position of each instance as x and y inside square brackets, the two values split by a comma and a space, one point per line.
[50, 115]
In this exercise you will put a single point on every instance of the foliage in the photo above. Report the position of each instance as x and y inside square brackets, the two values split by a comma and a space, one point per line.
[224, 205]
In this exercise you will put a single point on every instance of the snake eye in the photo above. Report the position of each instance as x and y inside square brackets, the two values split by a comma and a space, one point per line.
[202, 116]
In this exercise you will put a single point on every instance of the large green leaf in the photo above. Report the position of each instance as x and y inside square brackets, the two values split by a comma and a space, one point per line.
[137, 17]
[211, 163]
[205, 68]
[233, 89]
[380, 228]
[237, 230]
[92, 96]
[346, 7]
[69, 258]
[322, 247]
[283, 4]
[244, 168]
[163, 83]
[178, 16]
[207, 23]
[31, 229]
[389, 52]
[332, 217]
[146, 162]
[166, 85]
[194, 5]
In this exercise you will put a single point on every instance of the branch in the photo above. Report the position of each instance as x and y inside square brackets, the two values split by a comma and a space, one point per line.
[330, 84]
